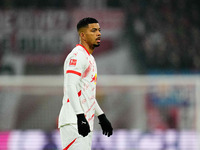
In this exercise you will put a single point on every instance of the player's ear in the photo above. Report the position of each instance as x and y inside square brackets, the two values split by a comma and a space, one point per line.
[82, 35]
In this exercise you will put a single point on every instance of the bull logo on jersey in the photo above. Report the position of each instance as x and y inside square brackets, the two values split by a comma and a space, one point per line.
[94, 78]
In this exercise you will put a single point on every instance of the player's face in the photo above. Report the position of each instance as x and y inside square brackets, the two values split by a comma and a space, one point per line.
[93, 35]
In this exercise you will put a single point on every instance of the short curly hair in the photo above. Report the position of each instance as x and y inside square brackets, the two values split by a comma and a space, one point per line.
[85, 21]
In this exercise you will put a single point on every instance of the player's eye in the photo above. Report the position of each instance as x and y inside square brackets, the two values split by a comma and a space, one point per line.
[93, 30]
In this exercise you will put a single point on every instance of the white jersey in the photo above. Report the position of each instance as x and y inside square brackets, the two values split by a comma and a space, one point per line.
[79, 70]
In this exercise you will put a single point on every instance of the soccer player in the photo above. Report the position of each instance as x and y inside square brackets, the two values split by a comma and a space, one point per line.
[79, 106]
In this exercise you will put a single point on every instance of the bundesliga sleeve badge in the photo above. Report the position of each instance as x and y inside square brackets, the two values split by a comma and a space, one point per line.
[72, 62]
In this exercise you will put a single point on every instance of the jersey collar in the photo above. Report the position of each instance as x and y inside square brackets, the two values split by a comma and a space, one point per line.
[84, 48]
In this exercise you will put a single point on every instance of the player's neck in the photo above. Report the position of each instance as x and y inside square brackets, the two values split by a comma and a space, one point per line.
[89, 49]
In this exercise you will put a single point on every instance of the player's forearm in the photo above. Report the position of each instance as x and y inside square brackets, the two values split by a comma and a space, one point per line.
[74, 99]
[71, 84]
[98, 110]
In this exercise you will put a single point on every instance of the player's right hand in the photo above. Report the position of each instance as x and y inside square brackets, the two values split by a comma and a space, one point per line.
[83, 126]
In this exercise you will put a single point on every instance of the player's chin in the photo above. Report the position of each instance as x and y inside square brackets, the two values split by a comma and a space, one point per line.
[96, 45]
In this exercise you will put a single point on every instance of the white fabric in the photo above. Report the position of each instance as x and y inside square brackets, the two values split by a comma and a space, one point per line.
[74, 141]
[80, 74]
[72, 81]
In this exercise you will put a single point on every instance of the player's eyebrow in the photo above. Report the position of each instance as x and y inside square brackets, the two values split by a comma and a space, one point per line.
[95, 29]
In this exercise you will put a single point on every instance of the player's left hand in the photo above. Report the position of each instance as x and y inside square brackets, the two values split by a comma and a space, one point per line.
[105, 125]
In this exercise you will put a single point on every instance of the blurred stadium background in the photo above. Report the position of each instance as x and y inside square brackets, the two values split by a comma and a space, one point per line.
[148, 71]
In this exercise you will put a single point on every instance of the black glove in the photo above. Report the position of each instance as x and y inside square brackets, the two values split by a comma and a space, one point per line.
[83, 126]
[105, 125]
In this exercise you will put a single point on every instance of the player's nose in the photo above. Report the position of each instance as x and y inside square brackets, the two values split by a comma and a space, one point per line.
[98, 33]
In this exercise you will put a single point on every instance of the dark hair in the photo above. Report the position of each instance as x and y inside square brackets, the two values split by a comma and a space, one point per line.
[85, 21]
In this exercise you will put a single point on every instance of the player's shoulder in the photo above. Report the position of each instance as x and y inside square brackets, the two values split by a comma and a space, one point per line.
[78, 51]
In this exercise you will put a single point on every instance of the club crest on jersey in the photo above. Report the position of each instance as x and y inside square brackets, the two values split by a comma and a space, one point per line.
[94, 78]
[72, 62]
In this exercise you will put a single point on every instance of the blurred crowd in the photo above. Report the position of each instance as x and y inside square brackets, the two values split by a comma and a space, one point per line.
[164, 34]
[167, 34]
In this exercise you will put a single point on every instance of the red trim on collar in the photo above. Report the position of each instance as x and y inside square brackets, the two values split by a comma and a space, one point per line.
[84, 48]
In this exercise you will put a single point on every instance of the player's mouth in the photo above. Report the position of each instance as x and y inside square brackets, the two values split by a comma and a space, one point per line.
[98, 39]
